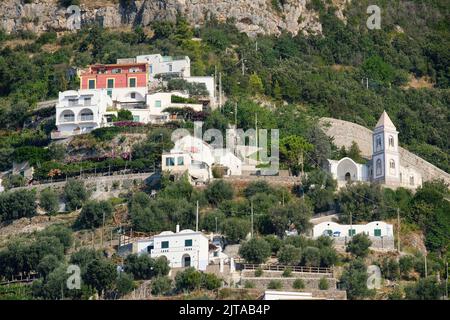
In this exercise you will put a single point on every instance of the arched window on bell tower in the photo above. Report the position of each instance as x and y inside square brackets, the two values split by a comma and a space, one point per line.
[378, 170]
[391, 141]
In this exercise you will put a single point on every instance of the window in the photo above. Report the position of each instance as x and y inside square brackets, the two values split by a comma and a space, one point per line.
[132, 82]
[151, 69]
[87, 101]
[164, 244]
[69, 117]
[91, 84]
[392, 164]
[328, 233]
[135, 118]
[188, 243]
[158, 104]
[180, 161]
[170, 67]
[351, 232]
[116, 71]
[86, 115]
[391, 141]
[170, 162]
[133, 95]
[110, 83]
[377, 232]
[411, 180]
[109, 92]
[73, 102]
[378, 143]
[378, 168]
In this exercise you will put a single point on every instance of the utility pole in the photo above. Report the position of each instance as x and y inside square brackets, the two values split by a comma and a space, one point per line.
[367, 83]
[216, 225]
[220, 91]
[251, 205]
[235, 114]
[398, 230]
[196, 219]
[243, 66]
[351, 227]
[446, 281]
[426, 267]
[256, 46]
[103, 228]
[256, 133]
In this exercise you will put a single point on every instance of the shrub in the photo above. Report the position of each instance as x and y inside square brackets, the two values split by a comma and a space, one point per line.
[161, 286]
[125, 283]
[323, 284]
[249, 285]
[287, 272]
[17, 204]
[188, 280]
[298, 284]
[258, 272]
[275, 285]
[210, 281]
[359, 245]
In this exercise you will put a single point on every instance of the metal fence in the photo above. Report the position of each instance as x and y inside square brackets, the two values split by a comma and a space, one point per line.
[279, 267]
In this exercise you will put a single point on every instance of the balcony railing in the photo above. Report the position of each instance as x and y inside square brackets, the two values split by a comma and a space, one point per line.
[86, 118]
[68, 119]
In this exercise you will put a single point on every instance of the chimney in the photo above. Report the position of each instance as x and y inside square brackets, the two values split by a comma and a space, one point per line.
[178, 228]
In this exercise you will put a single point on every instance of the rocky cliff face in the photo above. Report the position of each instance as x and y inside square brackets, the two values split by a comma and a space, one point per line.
[250, 16]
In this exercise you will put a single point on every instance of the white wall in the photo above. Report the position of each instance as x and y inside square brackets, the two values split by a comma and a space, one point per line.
[160, 65]
[99, 102]
[386, 229]
[209, 83]
[198, 252]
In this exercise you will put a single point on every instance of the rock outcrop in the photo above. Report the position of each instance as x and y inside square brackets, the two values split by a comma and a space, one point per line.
[250, 16]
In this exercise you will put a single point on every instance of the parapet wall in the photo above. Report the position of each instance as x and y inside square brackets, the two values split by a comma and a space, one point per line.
[344, 133]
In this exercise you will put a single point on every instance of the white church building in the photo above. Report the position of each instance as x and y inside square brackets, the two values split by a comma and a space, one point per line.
[384, 167]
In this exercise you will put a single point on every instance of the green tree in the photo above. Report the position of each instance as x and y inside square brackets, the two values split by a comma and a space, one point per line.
[354, 280]
[210, 281]
[289, 254]
[218, 191]
[93, 213]
[13, 181]
[161, 286]
[17, 204]
[424, 289]
[125, 283]
[235, 229]
[255, 84]
[359, 245]
[75, 194]
[49, 200]
[298, 284]
[47, 265]
[188, 280]
[256, 250]
[293, 150]
[100, 274]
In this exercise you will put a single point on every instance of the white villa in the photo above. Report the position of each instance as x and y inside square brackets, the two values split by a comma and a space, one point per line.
[384, 167]
[185, 248]
[81, 111]
[193, 155]
[372, 229]
[166, 65]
